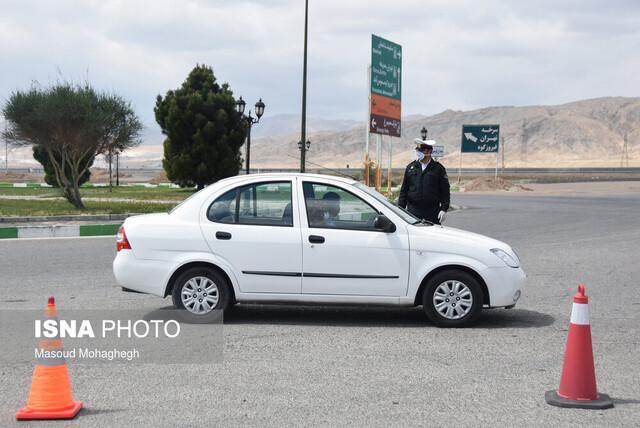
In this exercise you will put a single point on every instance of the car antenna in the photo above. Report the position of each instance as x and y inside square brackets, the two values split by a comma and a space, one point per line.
[328, 169]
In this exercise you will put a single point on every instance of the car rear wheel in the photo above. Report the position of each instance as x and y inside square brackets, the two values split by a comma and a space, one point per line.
[452, 298]
[200, 291]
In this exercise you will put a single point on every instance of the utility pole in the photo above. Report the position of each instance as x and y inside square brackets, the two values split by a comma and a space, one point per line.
[303, 130]
[625, 152]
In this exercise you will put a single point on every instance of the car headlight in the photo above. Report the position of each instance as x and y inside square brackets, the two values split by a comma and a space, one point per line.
[505, 257]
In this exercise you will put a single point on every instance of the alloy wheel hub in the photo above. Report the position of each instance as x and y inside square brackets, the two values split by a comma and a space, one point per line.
[200, 295]
[452, 299]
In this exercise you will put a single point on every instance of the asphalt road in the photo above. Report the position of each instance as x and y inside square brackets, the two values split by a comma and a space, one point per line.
[286, 366]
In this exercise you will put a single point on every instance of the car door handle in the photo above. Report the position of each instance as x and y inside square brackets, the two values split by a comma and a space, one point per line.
[223, 235]
[315, 239]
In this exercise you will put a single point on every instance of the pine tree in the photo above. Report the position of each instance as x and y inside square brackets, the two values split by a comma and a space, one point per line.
[203, 130]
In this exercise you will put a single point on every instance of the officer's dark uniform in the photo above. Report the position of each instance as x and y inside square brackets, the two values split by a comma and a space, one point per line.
[425, 193]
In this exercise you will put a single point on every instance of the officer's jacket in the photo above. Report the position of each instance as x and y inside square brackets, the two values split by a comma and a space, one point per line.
[428, 188]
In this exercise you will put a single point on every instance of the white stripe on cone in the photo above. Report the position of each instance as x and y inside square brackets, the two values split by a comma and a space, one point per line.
[580, 314]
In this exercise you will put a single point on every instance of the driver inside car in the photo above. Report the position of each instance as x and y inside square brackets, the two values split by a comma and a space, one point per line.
[331, 208]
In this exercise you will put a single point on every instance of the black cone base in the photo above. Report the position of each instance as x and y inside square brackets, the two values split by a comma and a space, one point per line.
[603, 401]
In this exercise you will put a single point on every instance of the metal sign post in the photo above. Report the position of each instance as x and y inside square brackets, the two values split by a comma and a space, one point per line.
[389, 180]
[378, 162]
[367, 161]
[495, 178]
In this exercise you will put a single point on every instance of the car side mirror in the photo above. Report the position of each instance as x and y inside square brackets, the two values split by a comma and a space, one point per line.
[383, 223]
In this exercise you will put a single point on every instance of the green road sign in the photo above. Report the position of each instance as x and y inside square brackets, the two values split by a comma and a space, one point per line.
[480, 138]
[386, 68]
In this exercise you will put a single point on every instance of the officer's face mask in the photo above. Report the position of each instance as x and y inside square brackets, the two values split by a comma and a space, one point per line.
[419, 155]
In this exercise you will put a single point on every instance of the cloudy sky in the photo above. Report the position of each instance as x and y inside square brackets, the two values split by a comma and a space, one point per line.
[456, 54]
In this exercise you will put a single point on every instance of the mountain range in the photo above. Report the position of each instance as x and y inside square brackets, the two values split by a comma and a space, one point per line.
[582, 133]
[587, 133]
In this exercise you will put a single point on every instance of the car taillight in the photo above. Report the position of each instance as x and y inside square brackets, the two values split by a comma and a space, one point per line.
[122, 243]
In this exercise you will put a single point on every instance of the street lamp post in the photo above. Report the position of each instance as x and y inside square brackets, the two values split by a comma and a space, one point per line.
[303, 127]
[240, 105]
[6, 151]
[117, 168]
[423, 133]
[110, 156]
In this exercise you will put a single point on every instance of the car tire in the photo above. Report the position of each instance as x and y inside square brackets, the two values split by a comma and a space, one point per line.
[211, 291]
[452, 298]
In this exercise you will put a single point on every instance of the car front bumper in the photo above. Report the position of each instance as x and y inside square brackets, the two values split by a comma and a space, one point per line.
[505, 285]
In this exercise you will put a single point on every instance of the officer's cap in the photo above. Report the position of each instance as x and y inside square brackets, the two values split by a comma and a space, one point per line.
[423, 144]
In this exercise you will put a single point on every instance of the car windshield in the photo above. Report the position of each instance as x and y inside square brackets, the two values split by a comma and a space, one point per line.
[401, 212]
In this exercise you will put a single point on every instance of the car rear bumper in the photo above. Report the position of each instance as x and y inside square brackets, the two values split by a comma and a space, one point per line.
[505, 285]
[144, 276]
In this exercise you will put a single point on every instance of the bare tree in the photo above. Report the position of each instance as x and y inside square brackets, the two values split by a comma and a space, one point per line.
[71, 123]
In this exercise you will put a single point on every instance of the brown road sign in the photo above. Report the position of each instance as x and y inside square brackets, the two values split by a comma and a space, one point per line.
[385, 106]
[384, 125]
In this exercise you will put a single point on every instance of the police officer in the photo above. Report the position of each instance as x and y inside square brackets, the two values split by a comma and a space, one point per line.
[425, 188]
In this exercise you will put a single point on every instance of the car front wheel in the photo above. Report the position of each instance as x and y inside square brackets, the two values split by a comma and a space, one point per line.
[452, 298]
[200, 291]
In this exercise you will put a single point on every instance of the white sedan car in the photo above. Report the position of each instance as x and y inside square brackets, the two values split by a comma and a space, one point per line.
[303, 238]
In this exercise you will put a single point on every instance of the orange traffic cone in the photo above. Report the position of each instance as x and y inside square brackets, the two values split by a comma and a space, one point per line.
[578, 382]
[50, 396]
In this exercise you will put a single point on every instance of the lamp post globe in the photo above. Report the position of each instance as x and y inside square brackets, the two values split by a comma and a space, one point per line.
[240, 104]
[306, 146]
[260, 108]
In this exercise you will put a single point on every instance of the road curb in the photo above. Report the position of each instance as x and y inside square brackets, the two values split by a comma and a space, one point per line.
[88, 185]
[58, 230]
[85, 217]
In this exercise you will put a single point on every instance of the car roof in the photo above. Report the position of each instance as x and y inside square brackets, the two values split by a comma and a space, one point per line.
[287, 175]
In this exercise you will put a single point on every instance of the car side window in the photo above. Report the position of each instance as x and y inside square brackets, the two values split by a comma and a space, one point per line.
[335, 208]
[267, 204]
[223, 209]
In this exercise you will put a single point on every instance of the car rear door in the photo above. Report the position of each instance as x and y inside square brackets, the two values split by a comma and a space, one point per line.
[255, 229]
[343, 254]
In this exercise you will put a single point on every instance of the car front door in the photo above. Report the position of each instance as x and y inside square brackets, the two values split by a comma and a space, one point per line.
[343, 254]
[256, 231]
